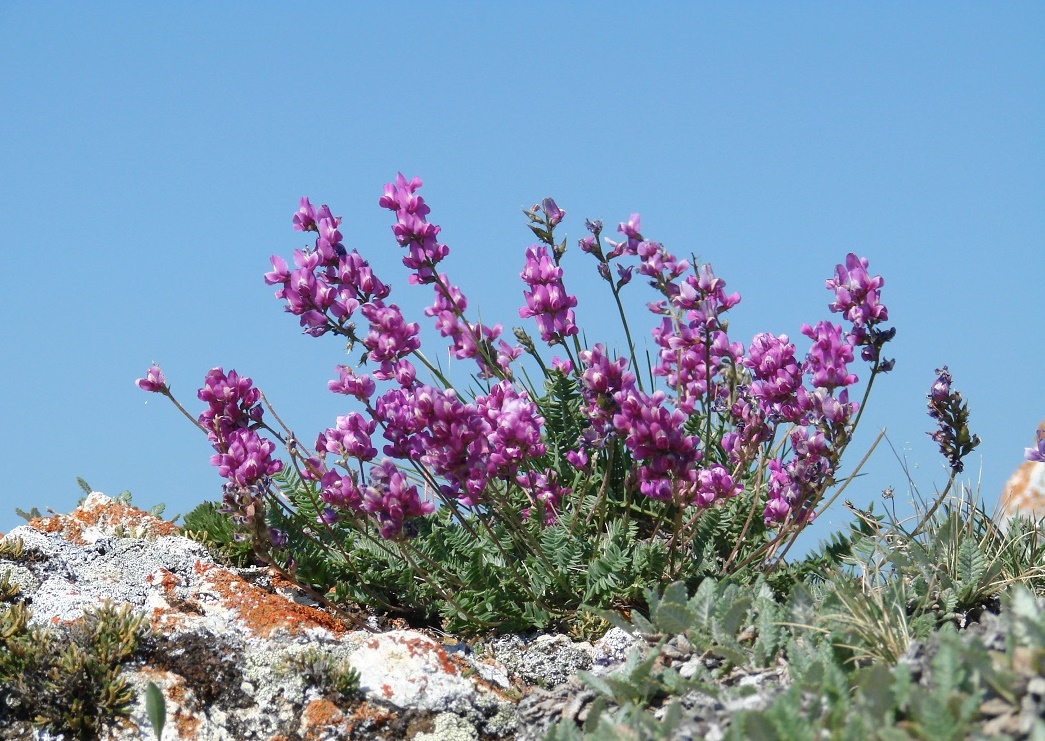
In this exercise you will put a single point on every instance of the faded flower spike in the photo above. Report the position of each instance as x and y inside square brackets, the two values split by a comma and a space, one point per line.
[952, 414]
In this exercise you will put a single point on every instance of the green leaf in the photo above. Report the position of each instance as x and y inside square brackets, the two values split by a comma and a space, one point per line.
[672, 617]
[971, 563]
[156, 707]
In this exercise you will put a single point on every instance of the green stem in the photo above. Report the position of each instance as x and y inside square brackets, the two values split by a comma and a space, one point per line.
[627, 333]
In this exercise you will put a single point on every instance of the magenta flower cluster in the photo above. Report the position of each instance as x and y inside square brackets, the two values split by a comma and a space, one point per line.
[231, 419]
[461, 451]
[546, 300]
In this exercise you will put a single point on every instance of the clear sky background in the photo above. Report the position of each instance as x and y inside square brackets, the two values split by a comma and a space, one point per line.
[151, 158]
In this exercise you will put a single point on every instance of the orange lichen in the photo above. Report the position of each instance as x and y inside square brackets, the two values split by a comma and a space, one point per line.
[1024, 492]
[106, 516]
[319, 716]
[367, 713]
[264, 612]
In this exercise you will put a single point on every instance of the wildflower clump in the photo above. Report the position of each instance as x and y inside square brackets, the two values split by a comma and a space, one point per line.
[507, 502]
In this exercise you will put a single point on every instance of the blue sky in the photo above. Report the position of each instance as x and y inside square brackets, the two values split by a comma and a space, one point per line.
[151, 159]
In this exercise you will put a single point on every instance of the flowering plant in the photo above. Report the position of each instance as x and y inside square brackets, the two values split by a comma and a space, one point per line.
[512, 503]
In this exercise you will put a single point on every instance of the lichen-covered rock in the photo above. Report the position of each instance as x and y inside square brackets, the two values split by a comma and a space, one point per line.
[230, 649]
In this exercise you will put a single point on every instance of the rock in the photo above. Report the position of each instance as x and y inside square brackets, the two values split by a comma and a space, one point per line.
[231, 650]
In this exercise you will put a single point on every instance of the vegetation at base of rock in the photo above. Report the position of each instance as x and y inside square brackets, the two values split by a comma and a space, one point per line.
[850, 640]
[319, 669]
[67, 680]
[209, 526]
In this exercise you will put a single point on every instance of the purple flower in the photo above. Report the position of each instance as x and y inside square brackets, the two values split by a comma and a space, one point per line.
[412, 230]
[659, 264]
[153, 381]
[941, 387]
[391, 498]
[516, 427]
[781, 493]
[390, 338]
[601, 381]
[349, 438]
[1037, 453]
[858, 299]
[544, 491]
[244, 458]
[713, 484]
[751, 428]
[778, 377]
[547, 300]
[857, 294]
[348, 383]
[630, 229]
[232, 403]
[828, 357]
[305, 218]
[656, 436]
[433, 427]
[552, 211]
[340, 492]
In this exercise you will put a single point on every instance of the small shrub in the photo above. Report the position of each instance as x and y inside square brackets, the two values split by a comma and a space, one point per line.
[68, 681]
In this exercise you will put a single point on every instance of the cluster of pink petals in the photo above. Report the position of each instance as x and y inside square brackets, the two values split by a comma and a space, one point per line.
[232, 403]
[392, 499]
[656, 437]
[777, 377]
[232, 414]
[328, 283]
[829, 356]
[412, 230]
[857, 293]
[349, 438]
[245, 458]
[545, 491]
[546, 300]
[154, 381]
[601, 381]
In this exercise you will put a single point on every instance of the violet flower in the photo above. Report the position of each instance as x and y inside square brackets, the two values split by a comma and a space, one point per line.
[232, 403]
[827, 359]
[714, 484]
[412, 230]
[1037, 453]
[153, 381]
[777, 377]
[601, 382]
[516, 425]
[349, 438]
[348, 383]
[656, 437]
[858, 299]
[545, 492]
[547, 301]
[340, 492]
[392, 499]
[390, 339]
[246, 458]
